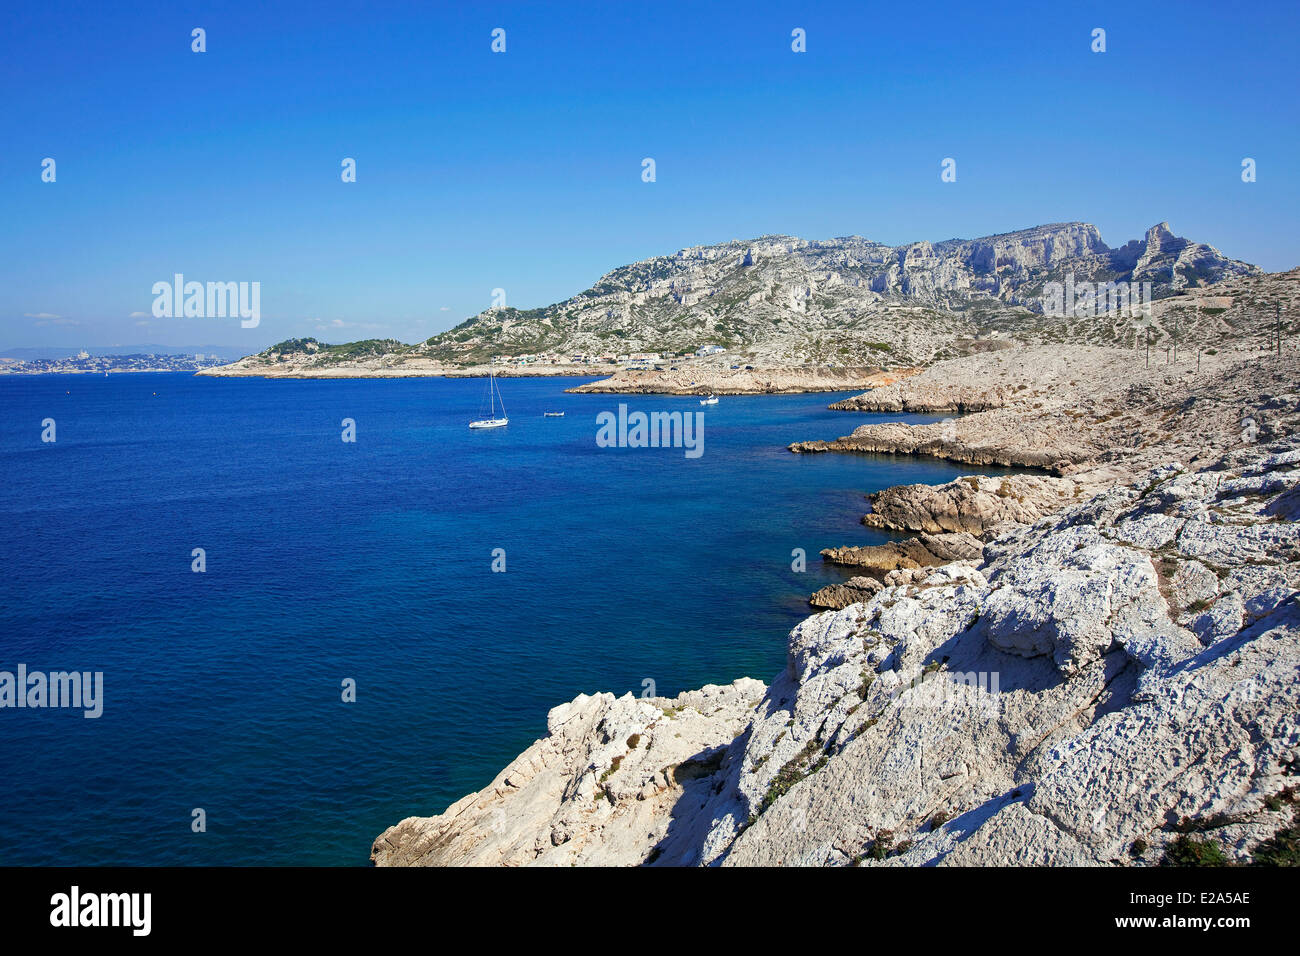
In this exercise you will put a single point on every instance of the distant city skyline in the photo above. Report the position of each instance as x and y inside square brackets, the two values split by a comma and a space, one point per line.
[524, 170]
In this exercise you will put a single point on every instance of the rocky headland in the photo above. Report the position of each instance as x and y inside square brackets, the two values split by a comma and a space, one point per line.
[1096, 666]
[305, 358]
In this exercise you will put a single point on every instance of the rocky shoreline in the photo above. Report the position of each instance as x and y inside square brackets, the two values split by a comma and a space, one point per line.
[1094, 407]
[757, 381]
[610, 379]
[1143, 643]
[1118, 683]
[1098, 666]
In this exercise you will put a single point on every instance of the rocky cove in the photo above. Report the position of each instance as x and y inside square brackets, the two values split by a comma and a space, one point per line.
[1095, 666]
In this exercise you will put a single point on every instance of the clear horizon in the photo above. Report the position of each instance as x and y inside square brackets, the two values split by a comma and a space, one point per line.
[522, 170]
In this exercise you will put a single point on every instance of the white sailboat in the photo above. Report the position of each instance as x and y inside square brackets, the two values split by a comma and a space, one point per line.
[492, 421]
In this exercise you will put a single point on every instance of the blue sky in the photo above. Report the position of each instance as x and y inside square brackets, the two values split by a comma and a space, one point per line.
[522, 170]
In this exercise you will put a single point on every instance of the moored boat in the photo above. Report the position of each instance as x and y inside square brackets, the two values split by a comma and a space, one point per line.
[493, 420]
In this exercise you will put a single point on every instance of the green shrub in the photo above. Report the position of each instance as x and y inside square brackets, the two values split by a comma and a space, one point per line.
[865, 686]
[1189, 851]
[795, 770]
[1282, 848]
[881, 846]
[613, 768]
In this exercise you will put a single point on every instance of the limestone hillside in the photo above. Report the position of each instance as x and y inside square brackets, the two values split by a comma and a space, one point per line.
[780, 301]
[784, 300]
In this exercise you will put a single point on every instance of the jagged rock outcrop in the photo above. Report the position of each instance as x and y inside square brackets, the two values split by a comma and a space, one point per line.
[1018, 442]
[953, 545]
[1110, 676]
[880, 558]
[969, 505]
[855, 589]
[960, 398]
[1099, 414]
[925, 551]
[598, 789]
[1112, 717]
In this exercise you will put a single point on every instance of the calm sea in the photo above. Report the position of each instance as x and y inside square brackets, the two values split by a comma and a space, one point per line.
[370, 561]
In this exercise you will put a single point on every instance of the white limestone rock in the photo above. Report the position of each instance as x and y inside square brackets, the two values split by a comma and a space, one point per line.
[1128, 661]
[599, 788]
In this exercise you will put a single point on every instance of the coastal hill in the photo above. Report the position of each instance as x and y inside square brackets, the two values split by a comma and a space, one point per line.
[780, 302]
[788, 301]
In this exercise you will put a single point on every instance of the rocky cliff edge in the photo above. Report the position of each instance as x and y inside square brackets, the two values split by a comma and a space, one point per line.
[1115, 683]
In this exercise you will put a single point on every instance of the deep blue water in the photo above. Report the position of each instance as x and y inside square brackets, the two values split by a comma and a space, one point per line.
[370, 561]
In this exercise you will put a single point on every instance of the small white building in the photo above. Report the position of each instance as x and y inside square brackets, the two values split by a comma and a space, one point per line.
[709, 350]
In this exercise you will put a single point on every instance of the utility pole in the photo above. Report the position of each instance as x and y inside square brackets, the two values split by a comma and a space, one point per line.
[1278, 311]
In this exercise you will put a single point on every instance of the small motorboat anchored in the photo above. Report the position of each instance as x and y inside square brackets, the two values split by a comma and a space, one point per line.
[552, 414]
[492, 421]
[711, 400]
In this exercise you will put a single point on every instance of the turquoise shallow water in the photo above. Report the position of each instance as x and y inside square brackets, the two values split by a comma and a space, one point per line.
[371, 561]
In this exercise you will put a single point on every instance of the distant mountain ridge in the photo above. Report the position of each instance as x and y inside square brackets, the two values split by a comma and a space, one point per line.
[799, 299]
[782, 301]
